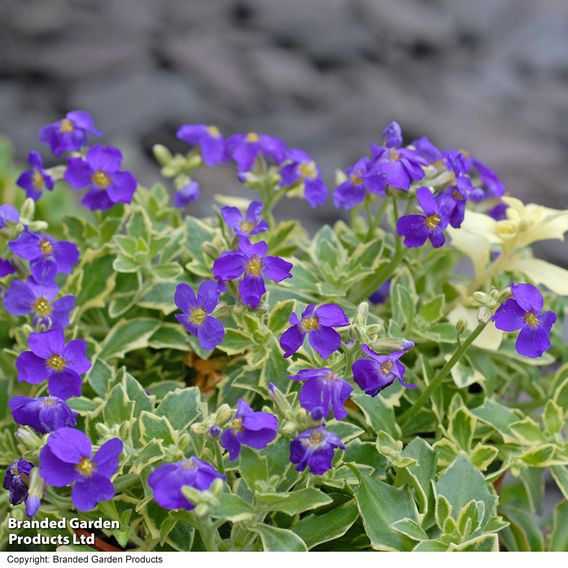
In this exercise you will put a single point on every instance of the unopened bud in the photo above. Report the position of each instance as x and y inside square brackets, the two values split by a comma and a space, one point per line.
[361, 315]
[28, 439]
[27, 211]
[223, 414]
[162, 154]
[37, 226]
[211, 250]
[484, 315]
[461, 326]
[480, 297]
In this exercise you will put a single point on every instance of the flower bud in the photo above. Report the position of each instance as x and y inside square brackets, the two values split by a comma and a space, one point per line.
[361, 315]
[202, 510]
[30, 440]
[27, 211]
[162, 154]
[223, 414]
[484, 315]
[480, 297]
[37, 226]
[461, 326]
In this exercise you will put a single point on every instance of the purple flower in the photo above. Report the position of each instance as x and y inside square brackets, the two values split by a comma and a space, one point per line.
[44, 414]
[244, 149]
[323, 389]
[69, 134]
[8, 214]
[6, 268]
[208, 138]
[318, 323]
[300, 168]
[50, 358]
[167, 481]
[67, 459]
[352, 191]
[380, 371]
[29, 297]
[524, 311]
[417, 229]
[250, 224]
[36, 179]
[254, 429]
[99, 172]
[493, 186]
[393, 135]
[251, 261]
[187, 194]
[380, 295]
[197, 310]
[395, 166]
[427, 150]
[498, 212]
[47, 256]
[17, 479]
[314, 449]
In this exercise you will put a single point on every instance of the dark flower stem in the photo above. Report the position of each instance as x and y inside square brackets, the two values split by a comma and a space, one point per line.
[407, 416]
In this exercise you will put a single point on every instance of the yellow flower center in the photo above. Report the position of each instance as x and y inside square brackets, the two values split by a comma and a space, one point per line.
[254, 266]
[57, 363]
[531, 319]
[213, 131]
[100, 179]
[433, 221]
[86, 467]
[46, 247]
[310, 324]
[394, 155]
[247, 226]
[386, 367]
[237, 425]
[316, 438]
[197, 316]
[188, 464]
[330, 377]
[49, 401]
[42, 307]
[66, 126]
[308, 170]
[457, 195]
[252, 137]
[356, 178]
[37, 179]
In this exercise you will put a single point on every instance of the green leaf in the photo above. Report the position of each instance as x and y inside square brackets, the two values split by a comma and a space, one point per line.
[280, 315]
[526, 533]
[560, 474]
[254, 467]
[170, 336]
[293, 502]
[559, 538]
[421, 474]
[380, 506]
[128, 335]
[316, 529]
[160, 297]
[498, 416]
[403, 298]
[482, 456]
[410, 528]
[235, 342]
[377, 413]
[233, 508]
[154, 427]
[433, 309]
[461, 483]
[279, 540]
[118, 408]
[462, 428]
[97, 282]
[181, 407]
[553, 417]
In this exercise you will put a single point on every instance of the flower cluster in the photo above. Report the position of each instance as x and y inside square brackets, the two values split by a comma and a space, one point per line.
[53, 362]
[96, 169]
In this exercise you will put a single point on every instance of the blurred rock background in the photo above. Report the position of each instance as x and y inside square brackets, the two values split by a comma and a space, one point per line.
[325, 75]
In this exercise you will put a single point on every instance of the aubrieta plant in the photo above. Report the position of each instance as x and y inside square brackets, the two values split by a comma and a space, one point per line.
[396, 381]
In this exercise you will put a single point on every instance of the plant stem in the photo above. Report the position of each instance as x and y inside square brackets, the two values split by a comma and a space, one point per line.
[374, 222]
[442, 374]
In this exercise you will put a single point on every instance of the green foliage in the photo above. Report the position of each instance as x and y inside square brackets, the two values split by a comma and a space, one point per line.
[422, 468]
